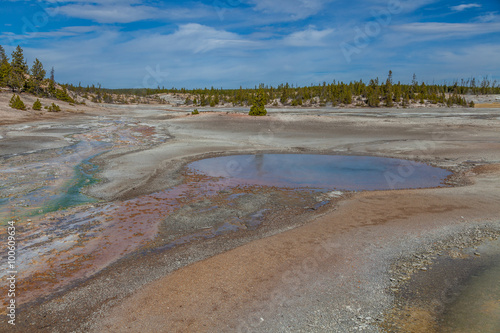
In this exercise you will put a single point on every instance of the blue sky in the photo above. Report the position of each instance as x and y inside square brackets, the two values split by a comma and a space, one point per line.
[228, 43]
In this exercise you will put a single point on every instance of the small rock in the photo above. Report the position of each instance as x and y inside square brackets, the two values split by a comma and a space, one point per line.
[477, 254]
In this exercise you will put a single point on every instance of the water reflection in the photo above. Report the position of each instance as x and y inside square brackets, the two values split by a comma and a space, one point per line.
[323, 171]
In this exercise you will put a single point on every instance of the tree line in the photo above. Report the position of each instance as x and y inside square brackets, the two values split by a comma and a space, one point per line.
[374, 93]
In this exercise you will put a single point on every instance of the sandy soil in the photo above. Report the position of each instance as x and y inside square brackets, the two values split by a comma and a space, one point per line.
[488, 105]
[300, 270]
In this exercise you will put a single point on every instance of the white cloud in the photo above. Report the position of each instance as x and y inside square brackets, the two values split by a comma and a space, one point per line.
[112, 11]
[192, 37]
[489, 17]
[439, 30]
[309, 37]
[63, 32]
[110, 14]
[296, 9]
[463, 7]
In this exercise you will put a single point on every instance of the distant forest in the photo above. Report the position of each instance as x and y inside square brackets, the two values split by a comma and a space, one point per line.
[19, 77]
[372, 94]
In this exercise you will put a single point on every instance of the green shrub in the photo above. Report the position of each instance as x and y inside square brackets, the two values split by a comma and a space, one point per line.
[54, 108]
[63, 96]
[195, 111]
[37, 105]
[17, 103]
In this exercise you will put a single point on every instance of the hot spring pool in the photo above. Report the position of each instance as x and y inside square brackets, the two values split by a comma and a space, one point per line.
[328, 172]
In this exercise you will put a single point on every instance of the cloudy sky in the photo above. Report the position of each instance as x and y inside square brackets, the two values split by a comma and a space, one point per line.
[228, 43]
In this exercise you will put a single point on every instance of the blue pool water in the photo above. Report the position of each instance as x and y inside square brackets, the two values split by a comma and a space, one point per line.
[352, 173]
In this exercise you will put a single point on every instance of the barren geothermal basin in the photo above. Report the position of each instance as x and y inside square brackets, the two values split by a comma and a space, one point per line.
[278, 232]
[324, 172]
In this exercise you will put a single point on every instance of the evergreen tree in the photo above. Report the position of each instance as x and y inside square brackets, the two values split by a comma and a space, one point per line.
[397, 92]
[3, 55]
[406, 99]
[259, 104]
[62, 94]
[54, 108]
[4, 67]
[373, 96]
[285, 94]
[388, 90]
[52, 83]
[347, 96]
[18, 61]
[373, 99]
[17, 103]
[37, 105]
[389, 78]
[37, 75]
[19, 69]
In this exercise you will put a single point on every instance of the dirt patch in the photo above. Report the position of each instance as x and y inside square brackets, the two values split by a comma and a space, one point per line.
[487, 169]
[487, 105]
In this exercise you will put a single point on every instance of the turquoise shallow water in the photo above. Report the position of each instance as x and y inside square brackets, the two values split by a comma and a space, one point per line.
[327, 172]
[72, 196]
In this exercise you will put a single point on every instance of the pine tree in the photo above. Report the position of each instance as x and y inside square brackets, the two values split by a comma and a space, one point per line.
[397, 93]
[3, 55]
[37, 75]
[52, 83]
[4, 67]
[347, 96]
[12, 101]
[37, 105]
[373, 96]
[19, 69]
[62, 94]
[54, 108]
[373, 99]
[388, 88]
[18, 60]
[17, 103]
[259, 104]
